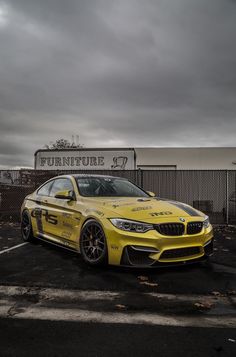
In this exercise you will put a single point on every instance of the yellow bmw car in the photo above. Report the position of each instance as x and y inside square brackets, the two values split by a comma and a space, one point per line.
[110, 220]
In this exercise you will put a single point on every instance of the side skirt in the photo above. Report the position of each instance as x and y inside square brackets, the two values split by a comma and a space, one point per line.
[57, 243]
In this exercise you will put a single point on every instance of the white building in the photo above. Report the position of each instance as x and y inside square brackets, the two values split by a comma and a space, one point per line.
[134, 158]
[186, 158]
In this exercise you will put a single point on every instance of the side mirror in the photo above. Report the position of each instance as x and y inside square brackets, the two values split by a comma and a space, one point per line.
[65, 195]
[150, 193]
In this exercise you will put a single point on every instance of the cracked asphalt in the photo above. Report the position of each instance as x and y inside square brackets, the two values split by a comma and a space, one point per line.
[52, 304]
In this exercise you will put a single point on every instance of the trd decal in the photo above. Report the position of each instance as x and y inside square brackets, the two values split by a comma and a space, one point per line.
[38, 213]
[165, 213]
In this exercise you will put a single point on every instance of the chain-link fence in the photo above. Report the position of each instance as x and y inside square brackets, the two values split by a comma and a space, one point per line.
[211, 191]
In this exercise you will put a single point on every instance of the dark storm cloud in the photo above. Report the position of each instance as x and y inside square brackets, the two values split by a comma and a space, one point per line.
[118, 73]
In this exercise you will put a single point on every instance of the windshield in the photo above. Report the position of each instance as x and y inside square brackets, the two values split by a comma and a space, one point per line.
[108, 187]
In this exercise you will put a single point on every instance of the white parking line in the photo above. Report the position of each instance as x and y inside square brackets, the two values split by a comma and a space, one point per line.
[78, 315]
[83, 306]
[15, 247]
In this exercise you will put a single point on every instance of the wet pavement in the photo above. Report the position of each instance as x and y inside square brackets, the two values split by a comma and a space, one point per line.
[45, 265]
[47, 338]
[198, 291]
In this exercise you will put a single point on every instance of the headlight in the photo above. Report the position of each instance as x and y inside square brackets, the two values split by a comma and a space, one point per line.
[206, 222]
[131, 226]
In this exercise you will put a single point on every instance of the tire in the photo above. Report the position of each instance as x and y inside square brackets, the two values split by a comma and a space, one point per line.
[26, 227]
[93, 245]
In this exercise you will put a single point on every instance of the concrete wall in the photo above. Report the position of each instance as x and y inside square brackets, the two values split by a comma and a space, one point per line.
[186, 158]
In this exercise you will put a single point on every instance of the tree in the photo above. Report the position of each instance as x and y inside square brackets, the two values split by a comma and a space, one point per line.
[62, 144]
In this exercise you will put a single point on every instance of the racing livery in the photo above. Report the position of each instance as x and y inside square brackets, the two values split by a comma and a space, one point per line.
[110, 220]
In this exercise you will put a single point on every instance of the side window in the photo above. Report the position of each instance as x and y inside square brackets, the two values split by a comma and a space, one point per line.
[61, 185]
[45, 189]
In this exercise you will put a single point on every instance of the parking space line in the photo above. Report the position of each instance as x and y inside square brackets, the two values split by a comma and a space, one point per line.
[79, 315]
[83, 306]
[15, 247]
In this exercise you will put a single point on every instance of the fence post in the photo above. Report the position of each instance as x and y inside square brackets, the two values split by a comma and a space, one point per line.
[140, 177]
[227, 197]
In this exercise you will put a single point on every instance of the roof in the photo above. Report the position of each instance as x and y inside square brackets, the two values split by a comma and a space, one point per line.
[92, 175]
[84, 149]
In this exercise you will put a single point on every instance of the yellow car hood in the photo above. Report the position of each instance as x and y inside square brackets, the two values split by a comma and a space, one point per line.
[144, 209]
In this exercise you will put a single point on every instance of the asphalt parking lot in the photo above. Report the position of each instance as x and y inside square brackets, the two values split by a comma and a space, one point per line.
[52, 304]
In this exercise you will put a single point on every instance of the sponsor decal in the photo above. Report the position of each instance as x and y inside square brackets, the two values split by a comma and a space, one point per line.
[145, 208]
[66, 234]
[66, 215]
[93, 210]
[38, 213]
[164, 213]
[122, 204]
[66, 224]
[65, 242]
[115, 247]
[143, 199]
[100, 213]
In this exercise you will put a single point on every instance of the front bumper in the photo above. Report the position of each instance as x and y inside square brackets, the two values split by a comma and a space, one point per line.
[138, 258]
[152, 249]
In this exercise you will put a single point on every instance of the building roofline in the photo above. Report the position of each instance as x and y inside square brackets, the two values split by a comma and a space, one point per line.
[134, 148]
[185, 147]
[83, 149]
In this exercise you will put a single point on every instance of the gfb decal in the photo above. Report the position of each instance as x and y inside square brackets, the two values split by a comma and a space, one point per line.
[38, 213]
[164, 213]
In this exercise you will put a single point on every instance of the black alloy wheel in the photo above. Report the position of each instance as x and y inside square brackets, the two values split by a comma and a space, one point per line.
[93, 246]
[26, 227]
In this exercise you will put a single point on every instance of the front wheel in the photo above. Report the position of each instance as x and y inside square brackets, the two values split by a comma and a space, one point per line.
[93, 245]
[26, 227]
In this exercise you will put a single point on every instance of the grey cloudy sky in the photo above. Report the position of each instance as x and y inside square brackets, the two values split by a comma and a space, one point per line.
[118, 73]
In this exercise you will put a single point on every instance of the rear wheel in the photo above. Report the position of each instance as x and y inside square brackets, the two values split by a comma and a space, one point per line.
[26, 227]
[93, 245]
